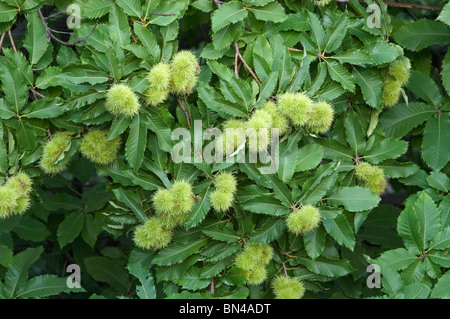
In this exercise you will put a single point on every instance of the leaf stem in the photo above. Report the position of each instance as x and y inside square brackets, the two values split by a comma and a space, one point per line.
[188, 118]
[245, 63]
[284, 268]
[236, 57]
[1, 40]
[12, 40]
[412, 6]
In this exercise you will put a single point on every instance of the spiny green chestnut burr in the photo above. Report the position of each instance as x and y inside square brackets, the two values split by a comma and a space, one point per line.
[221, 201]
[21, 183]
[159, 76]
[184, 198]
[321, 117]
[163, 201]
[152, 235]
[8, 201]
[172, 205]
[223, 196]
[155, 97]
[121, 100]
[303, 220]
[287, 288]
[233, 135]
[59, 143]
[184, 72]
[264, 252]
[295, 106]
[159, 79]
[399, 49]
[22, 205]
[253, 256]
[96, 147]
[182, 190]
[257, 275]
[225, 182]
[400, 70]
[321, 3]
[258, 130]
[173, 219]
[167, 210]
[372, 176]
[279, 121]
[391, 93]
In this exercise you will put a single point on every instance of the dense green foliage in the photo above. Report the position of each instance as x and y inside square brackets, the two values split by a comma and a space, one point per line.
[88, 113]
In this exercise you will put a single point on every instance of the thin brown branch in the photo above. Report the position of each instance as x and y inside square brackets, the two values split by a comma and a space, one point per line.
[212, 286]
[12, 41]
[188, 118]
[133, 37]
[140, 22]
[236, 57]
[36, 93]
[1, 40]
[74, 190]
[295, 50]
[245, 63]
[412, 6]
[286, 254]
[412, 14]
[56, 14]
[217, 2]
[49, 32]
[285, 270]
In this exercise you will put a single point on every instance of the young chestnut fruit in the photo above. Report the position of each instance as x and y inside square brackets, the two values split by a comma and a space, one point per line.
[303, 220]
[321, 3]
[233, 136]
[184, 199]
[372, 176]
[287, 288]
[391, 93]
[259, 126]
[59, 143]
[257, 275]
[225, 182]
[159, 79]
[394, 77]
[163, 201]
[223, 196]
[96, 147]
[400, 70]
[184, 72]
[172, 205]
[279, 121]
[21, 183]
[22, 205]
[121, 100]
[8, 201]
[321, 117]
[152, 235]
[295, 106]
[253, 256]
[221, 201]
[15, 195]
